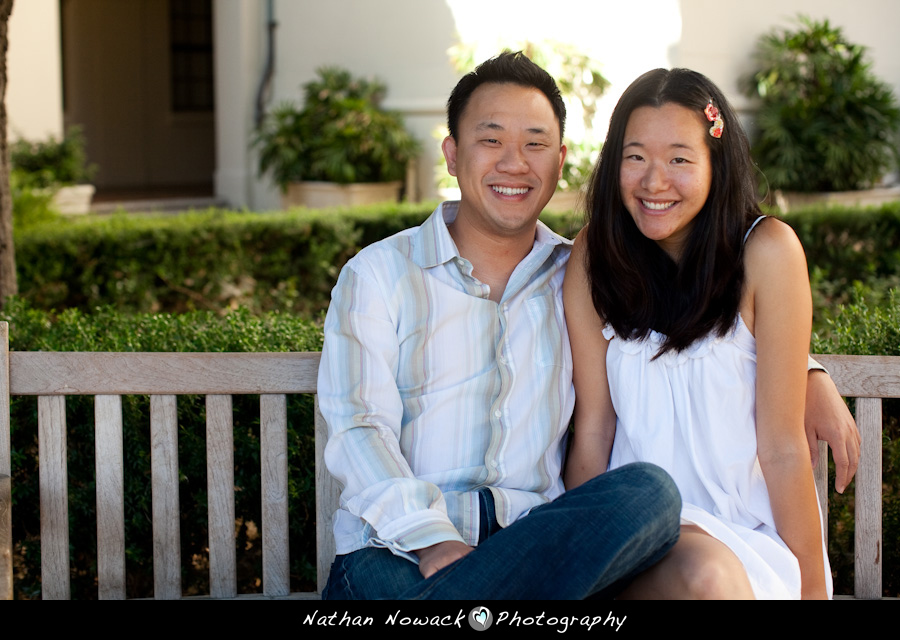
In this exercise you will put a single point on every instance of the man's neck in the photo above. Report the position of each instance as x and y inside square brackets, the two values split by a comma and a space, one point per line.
[493, 258]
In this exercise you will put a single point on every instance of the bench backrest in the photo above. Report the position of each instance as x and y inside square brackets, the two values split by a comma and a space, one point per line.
[163, 376]
[218, 376]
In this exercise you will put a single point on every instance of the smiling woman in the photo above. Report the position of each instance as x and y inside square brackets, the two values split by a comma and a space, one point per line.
[689, 318]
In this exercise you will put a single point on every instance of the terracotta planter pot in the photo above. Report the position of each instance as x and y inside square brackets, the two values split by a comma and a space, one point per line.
[321, 195]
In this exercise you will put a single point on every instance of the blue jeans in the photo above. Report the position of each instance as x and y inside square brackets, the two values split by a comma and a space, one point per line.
[589, 542]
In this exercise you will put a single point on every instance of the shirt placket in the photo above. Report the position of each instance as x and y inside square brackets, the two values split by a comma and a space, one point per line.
[494, 462]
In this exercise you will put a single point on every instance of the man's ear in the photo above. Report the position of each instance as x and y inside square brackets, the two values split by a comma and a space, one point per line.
[448, 146]
[562, 160]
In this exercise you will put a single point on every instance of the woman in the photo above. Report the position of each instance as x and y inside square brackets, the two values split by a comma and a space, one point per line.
[689, 314]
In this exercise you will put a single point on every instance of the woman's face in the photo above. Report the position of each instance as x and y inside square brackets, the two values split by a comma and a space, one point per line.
[666, 172]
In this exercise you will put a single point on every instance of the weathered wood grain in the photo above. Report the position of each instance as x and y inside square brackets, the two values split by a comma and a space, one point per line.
[164, 483]
[328, 500]
[54, 499]
[6, 570]
[220, 489]
[70, 373]
[274, 472]
[864, 376]
[110, 497]
[868, 535]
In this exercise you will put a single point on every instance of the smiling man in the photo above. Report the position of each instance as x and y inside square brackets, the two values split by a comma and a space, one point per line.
[446, 385]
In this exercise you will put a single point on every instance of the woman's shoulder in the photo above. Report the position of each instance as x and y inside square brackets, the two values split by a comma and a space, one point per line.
[578, 255]
[774, 262]
[772, 241]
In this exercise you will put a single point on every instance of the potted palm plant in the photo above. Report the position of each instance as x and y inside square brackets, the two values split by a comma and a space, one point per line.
[827, 126]
[341, 148]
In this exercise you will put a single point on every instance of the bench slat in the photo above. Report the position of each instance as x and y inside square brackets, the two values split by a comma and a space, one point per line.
[328, 497]
[863, 376]
[110, 498]
[164, 472]
[274, 472]
[220, 488]
[6, 582]
[6, 572]
[74, 373]
[820, 474]
[54, 498]
[868, 536]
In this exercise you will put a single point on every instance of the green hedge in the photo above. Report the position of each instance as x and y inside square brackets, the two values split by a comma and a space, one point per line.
[110, 330]
[845, 246]
[288, 261]
[214, 260]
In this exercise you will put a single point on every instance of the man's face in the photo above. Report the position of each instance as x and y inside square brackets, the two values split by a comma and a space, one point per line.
[507, 158]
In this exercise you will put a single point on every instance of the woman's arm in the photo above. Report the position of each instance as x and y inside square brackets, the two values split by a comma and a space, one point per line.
[779, 303]
[595, 419]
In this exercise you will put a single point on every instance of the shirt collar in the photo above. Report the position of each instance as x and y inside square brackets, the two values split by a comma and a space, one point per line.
[433, 245]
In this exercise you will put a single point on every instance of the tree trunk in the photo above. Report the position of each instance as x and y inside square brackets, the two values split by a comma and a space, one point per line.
[8, 283]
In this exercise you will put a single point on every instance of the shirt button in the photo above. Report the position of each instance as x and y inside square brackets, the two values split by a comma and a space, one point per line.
[497, 413]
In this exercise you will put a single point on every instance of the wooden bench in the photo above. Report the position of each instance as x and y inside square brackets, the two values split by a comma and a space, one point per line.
[218, 376]
[163, 376]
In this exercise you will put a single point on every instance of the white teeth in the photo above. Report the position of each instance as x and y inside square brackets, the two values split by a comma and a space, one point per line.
[657, 206]
[509, 191]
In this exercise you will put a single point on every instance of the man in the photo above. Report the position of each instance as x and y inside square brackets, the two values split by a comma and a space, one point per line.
[446, 385]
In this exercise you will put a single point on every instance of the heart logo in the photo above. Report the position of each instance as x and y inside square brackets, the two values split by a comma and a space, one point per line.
[480, 618]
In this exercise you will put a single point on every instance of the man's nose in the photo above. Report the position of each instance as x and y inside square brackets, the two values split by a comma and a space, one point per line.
[513, 160]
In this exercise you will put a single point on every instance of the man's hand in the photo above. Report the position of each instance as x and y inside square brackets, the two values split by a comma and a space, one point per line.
[434, 558]
[827, 418]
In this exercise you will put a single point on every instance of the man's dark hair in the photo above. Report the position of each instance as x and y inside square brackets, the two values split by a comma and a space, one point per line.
[508, 67]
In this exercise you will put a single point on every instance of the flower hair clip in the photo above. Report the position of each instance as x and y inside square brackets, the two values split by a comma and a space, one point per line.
[712, 114]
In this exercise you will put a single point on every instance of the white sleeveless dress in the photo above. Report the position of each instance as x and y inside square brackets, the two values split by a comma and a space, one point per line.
[693, 414]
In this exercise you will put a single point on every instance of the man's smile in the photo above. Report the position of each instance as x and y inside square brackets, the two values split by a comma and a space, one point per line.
[510, 191]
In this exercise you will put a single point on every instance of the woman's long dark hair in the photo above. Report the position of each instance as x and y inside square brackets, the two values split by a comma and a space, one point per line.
[636, 286]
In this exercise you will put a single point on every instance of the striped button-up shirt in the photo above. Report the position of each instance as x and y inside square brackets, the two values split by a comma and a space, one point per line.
[432, 391]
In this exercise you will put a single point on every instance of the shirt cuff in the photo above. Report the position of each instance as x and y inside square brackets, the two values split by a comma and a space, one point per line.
[418, 531]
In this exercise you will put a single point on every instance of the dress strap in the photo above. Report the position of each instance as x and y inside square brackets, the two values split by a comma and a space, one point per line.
[753, 226]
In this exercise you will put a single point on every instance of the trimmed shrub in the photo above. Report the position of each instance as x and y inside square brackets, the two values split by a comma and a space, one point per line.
[289, 261]
[845, 246]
